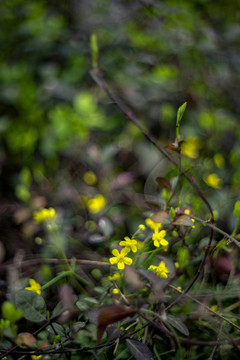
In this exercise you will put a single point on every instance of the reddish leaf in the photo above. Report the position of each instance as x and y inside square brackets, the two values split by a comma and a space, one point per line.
[25, 339]
[172, 147]
[152, 204]
[164, 183]
[110, 315]
[183, 220]
[162, 217]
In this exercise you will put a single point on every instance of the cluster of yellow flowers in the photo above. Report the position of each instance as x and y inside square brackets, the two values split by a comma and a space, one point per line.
[132, 245]
[44, 215]
[158, 236]
[161, 270]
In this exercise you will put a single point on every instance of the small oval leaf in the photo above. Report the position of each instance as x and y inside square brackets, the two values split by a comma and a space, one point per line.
[184, 221]
[110, 315]
[178, 324]
[164, 183]
[26, 339]
[162, 217]
[32, 305]
[139, 350]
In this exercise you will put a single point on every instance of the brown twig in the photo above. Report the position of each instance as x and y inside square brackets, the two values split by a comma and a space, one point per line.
[37, 261]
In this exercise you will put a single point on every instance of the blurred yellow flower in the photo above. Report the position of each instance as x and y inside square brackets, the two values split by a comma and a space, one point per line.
[152, 224]
[213, 181]
[115, 291]
[34, 286]
[36, 357]
[129, 244]
[141, 227]
[44, 215]
[214, 308]
[120, 258]
[161, 270]
[96, 204]
[190, 147]
[116, 276]
[90, 178]
[219, 160]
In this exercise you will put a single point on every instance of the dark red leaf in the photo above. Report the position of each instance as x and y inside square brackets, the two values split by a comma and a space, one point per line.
[164, 183]
[110, 315]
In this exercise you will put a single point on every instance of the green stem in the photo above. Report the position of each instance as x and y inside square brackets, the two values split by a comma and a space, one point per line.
[56, 279]
[236, 227]
[149, 259]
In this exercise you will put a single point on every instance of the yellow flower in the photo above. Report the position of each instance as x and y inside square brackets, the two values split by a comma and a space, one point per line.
[34, 286]
[129, 244]
[141, 227]
[120, 258]
[44, 215]
[115, 291]
[213, 181]
[116, 276]
[190, 147]
[158, 238]
[161, 270]
[152, 224]
[214, 308]
[90, 178]
[36, 357]
[96, 204]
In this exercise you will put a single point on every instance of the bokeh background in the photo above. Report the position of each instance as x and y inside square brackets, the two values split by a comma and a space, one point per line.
[64, 142]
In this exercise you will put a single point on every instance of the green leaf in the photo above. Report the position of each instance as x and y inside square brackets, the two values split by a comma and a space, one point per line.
[32, 305]
[10, 312]
[177, 324]
[183, 257]
[172, 213]
[94, 48]
[180, 112]
[236, 210]
[139, 350]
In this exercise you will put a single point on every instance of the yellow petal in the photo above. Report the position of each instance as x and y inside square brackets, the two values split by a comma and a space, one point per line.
[115, 252]
[164, 242]
[113, 260]
[127, 261]
[125, 251]
[121, 265]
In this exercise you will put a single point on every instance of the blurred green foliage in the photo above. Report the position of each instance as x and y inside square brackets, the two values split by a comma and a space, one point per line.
[56, 123]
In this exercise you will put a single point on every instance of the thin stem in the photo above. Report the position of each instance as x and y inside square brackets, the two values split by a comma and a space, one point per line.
[205, 306]
[215, 228]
